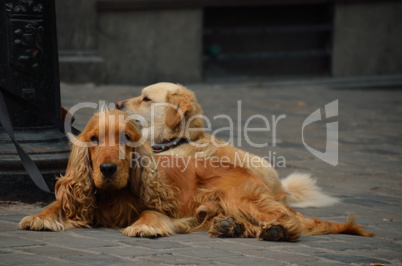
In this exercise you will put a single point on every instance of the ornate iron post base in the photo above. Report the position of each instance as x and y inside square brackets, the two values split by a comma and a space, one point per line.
[29, 69]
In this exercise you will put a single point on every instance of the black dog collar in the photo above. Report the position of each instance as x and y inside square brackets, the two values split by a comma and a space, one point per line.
[164, 146]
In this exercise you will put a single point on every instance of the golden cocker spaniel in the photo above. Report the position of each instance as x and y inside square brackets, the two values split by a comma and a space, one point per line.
[169, 111]
[114, 180]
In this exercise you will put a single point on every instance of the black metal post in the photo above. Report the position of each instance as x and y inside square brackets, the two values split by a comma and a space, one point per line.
[29, 69]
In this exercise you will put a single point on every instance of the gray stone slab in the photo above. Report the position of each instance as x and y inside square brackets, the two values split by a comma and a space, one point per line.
[111, 234]
[7, 226]
[76, 241]
[95, 259]
[199, 236]
[172, 259]
[12, 242]
[130, 252]
[14, 258]
[51, 251]
[205, 253]
[158, 243]
[275, 255]
[221, 244]
[349, 259]
[247, 260]
[12, 218]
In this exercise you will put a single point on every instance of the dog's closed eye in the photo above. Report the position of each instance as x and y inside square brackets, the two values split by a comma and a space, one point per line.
[146, 99]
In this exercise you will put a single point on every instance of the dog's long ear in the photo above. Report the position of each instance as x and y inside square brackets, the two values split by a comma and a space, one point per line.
[74, 190]
[147, 182]
[179, 107]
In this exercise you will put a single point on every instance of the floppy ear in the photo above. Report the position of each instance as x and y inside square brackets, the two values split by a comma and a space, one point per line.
[74, 190]
[179, 107]
[147, 182]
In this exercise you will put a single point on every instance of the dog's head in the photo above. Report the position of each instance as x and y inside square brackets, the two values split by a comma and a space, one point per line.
[171, 110]
[109, 155]
[110, 138]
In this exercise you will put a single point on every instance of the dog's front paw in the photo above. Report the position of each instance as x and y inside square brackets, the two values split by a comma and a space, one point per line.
[226, 227]
[143, 230]
[271, 232]
[37, 223]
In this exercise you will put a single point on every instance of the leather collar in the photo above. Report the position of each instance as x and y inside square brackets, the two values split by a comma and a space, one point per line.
[164, 146]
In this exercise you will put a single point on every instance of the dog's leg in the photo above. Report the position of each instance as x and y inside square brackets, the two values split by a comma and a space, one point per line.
[47, 220]
[255, 212]
[155, 224]
[284, 228]
[277, 222]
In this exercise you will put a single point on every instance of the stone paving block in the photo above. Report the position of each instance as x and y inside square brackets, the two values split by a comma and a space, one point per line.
[247, 260]
[305, 240]
[157, 243]
[42, 235]
[77, 241]
[141, 263]
[12, 218]
[285, 257]
[6, 226]
[51, 251]
[254, 242]
[358, 239]
[369, 203]
[376, 226]
[300, 249]
[11, 242]
[14, 258]
[194, 237]
[172, 259]
[391, 245]
[129, 251]
[95, 259]
[222, 244]
[393, 256]
[205, 253]
[339, 245]
[349, 259]
[111, 234]
[389, 234]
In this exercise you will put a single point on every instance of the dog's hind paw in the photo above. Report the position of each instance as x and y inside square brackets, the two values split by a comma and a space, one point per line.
[270, 232]
[226, 227]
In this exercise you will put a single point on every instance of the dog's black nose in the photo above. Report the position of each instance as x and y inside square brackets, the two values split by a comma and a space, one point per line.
[108, 169]
[119, 104]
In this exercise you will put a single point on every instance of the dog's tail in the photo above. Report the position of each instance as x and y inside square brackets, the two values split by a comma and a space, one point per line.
[316, 227]
[304, 193]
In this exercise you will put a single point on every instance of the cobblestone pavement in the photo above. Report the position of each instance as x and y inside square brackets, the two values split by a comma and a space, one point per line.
[367, 179]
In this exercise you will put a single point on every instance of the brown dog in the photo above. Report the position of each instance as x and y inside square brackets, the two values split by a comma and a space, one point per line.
[113, 179]
[170, 111]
